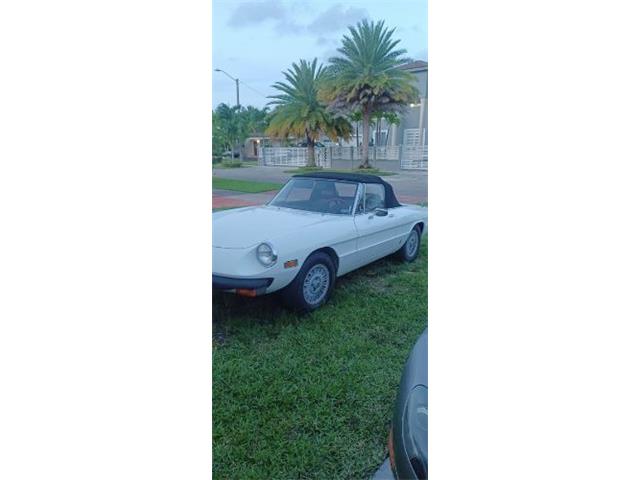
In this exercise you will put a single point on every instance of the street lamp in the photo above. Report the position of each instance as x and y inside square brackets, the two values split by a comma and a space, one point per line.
[237, 80]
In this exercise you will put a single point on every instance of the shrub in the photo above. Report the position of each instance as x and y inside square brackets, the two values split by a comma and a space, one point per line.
[232, 164]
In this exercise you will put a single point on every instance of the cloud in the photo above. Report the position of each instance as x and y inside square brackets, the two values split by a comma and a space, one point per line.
[334, 19]
[250, 13]
[337, 18]
[321, 40]
[289, 27]
[302, 6]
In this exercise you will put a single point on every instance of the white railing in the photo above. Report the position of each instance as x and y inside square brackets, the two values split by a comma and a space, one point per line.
[386, 153]
[414, 157]
[290, 156]
[408, 157]
[340, 153]
[355, 153]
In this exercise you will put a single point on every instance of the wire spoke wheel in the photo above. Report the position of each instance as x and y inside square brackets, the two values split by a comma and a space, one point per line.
[316, 284]
[412, 243]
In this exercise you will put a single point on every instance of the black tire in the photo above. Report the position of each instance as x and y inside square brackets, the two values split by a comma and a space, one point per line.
[410, 250]
[293, 295]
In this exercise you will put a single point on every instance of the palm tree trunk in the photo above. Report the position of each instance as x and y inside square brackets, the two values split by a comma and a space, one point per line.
[365, 138]
[357, 134]
[311, 157]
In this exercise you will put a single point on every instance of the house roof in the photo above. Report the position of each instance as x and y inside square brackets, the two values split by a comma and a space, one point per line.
[417, 65]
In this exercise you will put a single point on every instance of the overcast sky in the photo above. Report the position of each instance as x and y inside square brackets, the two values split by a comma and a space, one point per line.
[256, 40]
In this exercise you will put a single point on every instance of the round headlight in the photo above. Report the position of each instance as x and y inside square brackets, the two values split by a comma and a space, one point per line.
[266, 254]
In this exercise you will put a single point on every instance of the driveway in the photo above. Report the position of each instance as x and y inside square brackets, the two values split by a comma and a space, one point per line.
[410, 186]
[230, 199]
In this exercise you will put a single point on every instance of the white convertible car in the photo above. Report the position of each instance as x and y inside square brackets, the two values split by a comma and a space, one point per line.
[318, 227]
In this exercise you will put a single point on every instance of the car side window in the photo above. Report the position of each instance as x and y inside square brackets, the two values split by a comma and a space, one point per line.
[373, 197]
[346, 190]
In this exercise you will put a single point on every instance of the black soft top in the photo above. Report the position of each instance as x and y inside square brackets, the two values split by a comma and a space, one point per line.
[389, 196]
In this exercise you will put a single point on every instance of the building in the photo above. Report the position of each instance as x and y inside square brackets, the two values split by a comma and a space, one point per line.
[252, 146]
[413, 128]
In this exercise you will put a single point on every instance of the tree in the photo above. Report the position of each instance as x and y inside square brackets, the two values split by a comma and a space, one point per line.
[253, 120]
[298, 111]
[232, 125]
[219, 142]
[356, 117]
[390, 117]
[365, 77]
[229, 124]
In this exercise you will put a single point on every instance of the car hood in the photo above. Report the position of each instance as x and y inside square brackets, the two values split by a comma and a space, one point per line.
[246, 227]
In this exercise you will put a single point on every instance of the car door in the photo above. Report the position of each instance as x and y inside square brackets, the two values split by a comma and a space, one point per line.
[378, 236]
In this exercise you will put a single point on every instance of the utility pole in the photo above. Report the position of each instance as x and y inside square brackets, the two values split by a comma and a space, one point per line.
[237, 80]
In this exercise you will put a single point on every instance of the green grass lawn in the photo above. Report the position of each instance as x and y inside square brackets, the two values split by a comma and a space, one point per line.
[244, 185]
[312, 396]
[372, 171]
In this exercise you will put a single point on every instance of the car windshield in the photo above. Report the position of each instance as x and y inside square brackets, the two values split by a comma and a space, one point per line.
[317, 195]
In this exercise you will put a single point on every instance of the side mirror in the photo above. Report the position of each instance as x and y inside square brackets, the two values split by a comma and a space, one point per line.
[381, 212]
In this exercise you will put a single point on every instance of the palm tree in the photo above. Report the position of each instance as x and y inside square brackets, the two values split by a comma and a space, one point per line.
[254, 119]
[390, 117]
[366, 77]
[298, 111]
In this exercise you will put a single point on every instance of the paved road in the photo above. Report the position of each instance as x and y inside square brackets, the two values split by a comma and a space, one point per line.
[410, 186]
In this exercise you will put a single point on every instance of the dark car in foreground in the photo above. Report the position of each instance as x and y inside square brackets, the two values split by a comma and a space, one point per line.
[408, 435]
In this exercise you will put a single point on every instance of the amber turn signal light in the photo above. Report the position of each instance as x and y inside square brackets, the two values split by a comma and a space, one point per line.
[245, 292]
[290, 263]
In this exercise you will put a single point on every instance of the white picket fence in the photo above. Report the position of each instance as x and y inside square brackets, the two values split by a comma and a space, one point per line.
[409, 157]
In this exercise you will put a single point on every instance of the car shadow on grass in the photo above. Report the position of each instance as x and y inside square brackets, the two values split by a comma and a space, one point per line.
[266, 310]
[228, 307]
